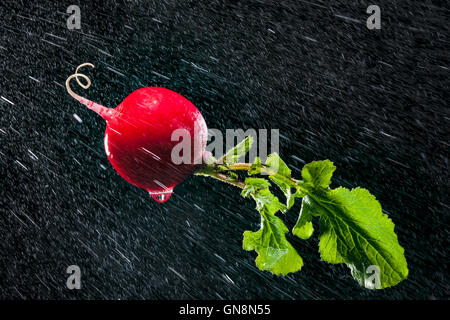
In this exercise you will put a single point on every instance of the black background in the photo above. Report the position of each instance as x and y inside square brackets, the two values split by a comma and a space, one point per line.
[372, 101]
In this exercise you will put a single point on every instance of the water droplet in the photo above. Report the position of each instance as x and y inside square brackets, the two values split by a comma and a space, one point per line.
[162, 196]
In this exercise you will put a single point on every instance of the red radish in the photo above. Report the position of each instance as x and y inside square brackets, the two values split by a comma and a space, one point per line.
[138, 137]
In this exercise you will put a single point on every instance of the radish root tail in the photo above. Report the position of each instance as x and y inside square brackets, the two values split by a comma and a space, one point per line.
[77, 76]
[106, 113]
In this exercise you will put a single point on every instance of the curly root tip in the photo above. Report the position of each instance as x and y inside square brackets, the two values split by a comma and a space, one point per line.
[106, 113]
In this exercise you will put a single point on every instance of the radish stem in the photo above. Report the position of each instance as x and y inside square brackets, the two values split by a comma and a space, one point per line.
[220, 172]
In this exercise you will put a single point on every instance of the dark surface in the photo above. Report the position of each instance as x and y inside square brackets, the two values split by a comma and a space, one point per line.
[374, 102]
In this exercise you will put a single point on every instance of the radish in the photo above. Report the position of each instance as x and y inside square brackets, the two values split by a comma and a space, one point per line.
[138, 137]
[139, 145]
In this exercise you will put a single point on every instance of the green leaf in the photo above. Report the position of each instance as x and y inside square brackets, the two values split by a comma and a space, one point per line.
[280, 174]
[318, 174]
[354, 230]
[256, 167]
[275, 253]
[254, 184]
[240, 150]
[265, 199]
[232, 176]
[275, 165]
[258, 188]
[304, 227]
[300, 189]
